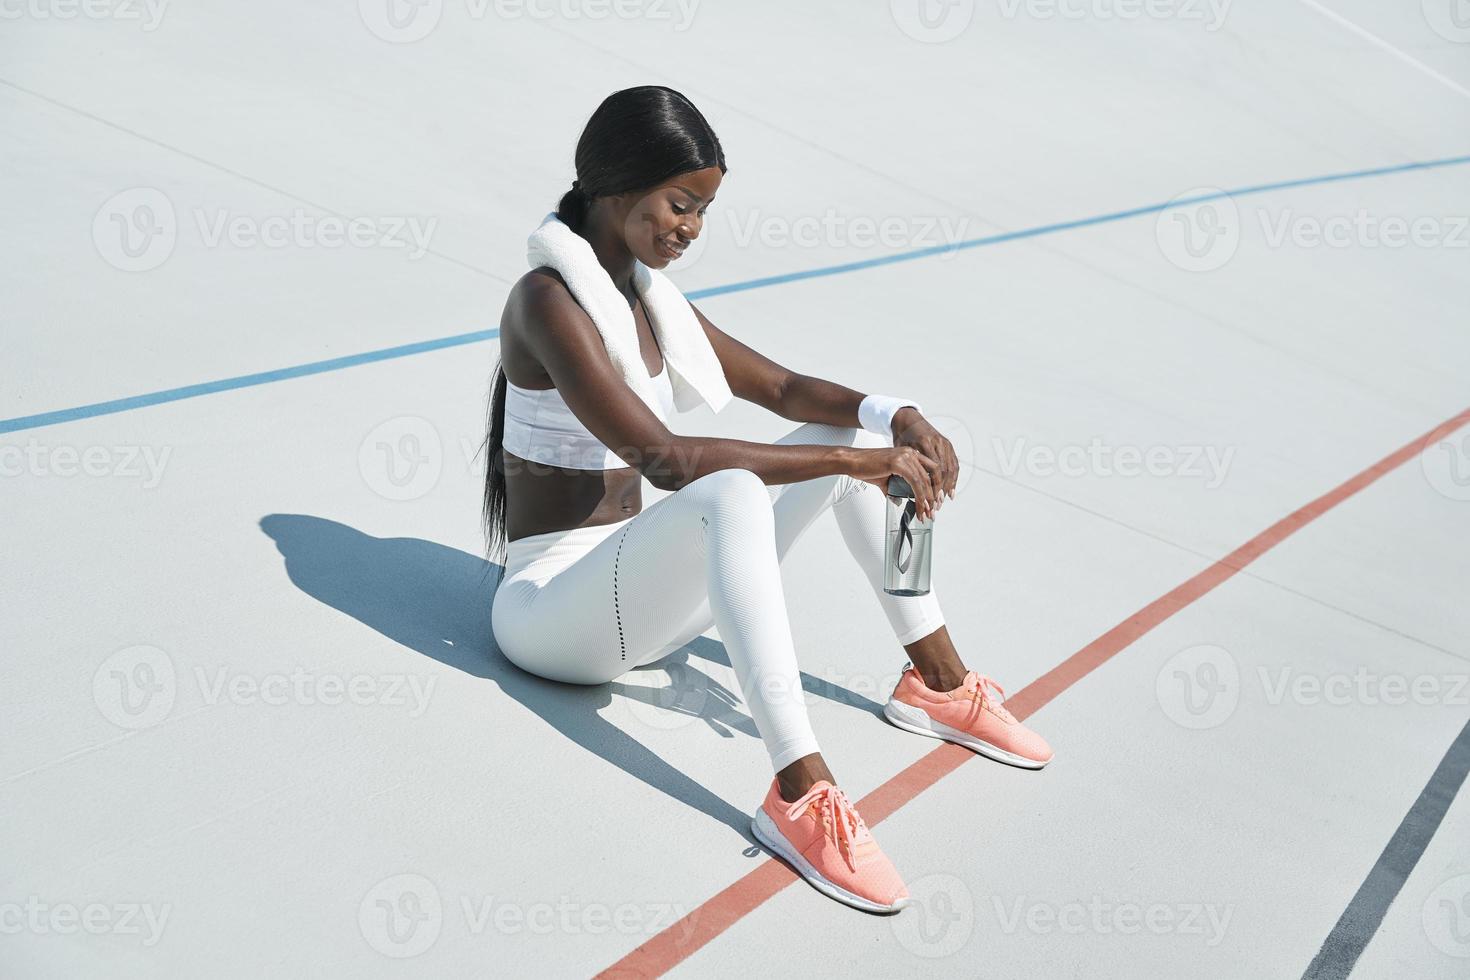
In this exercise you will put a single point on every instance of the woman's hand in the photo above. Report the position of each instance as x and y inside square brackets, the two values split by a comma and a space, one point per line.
[922, 456]
[914, 430]
[923, 473]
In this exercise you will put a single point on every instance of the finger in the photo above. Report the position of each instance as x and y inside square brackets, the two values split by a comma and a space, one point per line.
[944, 481]
[925, 486]
[936, 449]
[954, 468]
[936, 481]
[937, 470]
[921, 502]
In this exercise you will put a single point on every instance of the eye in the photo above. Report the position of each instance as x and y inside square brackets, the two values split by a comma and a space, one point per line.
[680, 209]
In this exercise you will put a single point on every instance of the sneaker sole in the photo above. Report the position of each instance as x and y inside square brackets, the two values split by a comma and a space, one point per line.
[774, 841]
[917, 720]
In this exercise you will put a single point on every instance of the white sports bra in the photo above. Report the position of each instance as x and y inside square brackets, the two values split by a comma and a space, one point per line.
[540, 426]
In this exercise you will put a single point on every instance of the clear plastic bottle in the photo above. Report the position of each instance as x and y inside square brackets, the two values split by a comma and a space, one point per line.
[909, 543]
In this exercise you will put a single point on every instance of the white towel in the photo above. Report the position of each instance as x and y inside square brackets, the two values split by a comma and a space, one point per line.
[694, 368]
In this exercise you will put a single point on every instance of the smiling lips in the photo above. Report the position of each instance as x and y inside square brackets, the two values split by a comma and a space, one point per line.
[669, 249]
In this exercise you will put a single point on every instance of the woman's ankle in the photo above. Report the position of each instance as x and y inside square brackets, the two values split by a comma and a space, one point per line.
[937, 661]
[946, 679]
[794, 781]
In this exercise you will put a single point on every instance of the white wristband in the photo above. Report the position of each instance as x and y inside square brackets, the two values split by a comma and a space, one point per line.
[876, 412]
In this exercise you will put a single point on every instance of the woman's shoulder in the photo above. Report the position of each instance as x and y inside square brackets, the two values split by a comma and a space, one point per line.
[533, 296]
[531, 308]
[540, 296]
[540, 285]
[540, 305]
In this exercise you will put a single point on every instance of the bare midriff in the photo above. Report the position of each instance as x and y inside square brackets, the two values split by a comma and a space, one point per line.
[541, 498]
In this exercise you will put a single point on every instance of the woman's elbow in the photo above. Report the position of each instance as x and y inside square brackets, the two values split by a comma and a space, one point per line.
[668, 466]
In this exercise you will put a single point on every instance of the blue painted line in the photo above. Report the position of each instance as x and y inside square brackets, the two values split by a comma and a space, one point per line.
[1011, 236]
[243, 381]
[406, 350]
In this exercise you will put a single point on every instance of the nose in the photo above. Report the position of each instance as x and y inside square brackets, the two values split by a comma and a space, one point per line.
[689, 226]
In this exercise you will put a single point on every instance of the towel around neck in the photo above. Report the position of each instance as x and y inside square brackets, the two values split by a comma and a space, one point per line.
[694, 368]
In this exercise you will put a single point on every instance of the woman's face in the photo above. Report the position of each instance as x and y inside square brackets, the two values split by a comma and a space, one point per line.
[662, 222]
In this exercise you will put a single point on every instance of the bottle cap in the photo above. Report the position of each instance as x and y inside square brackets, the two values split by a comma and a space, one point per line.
[899, 487]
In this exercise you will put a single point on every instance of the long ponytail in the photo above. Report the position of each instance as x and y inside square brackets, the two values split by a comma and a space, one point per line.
[492, 511]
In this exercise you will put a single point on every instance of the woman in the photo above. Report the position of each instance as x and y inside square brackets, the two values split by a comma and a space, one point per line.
[595, 584]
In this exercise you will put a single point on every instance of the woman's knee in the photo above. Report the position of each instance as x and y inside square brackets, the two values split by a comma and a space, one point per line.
[733, 478]
[728, 502]
[730, 491]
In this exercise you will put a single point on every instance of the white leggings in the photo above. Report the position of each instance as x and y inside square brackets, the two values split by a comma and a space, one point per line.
[586, 604]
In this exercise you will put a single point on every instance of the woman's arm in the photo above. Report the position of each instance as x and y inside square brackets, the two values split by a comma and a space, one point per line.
[569, 348]
[803, 398]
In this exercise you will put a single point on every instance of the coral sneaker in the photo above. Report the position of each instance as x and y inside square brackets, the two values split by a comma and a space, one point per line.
[824, 839]
[966, 716]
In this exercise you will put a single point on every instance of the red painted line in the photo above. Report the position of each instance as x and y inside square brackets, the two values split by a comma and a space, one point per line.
[680, 940]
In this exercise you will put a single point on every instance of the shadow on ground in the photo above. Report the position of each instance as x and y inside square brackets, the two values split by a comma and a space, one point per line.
[436, 600]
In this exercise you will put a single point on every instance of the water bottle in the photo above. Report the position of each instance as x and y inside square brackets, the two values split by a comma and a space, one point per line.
[908, 546]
